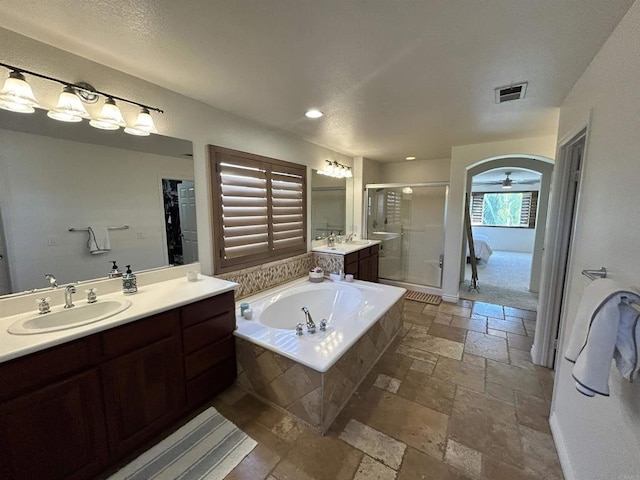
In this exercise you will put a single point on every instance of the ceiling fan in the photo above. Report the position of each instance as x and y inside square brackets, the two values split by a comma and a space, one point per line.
[507, 183]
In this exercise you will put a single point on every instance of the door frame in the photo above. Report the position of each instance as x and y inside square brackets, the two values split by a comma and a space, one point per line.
[161, 218]
[564, 208]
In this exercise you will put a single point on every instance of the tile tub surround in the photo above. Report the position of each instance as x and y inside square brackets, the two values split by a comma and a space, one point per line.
[314, 397]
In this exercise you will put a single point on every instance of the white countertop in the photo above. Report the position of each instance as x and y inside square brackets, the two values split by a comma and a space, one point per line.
[150, 299]
[345, 248]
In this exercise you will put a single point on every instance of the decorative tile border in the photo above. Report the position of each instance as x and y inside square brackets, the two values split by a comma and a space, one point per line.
[268, 275]
[313, 397]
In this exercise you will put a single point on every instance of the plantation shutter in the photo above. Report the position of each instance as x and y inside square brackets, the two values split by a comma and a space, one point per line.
[529, 209]
[259, 209]
[477, 201]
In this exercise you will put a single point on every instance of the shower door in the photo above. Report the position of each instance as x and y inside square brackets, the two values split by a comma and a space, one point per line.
[409, 222]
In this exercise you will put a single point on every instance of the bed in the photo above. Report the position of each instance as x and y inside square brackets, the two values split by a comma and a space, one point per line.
[482, 247]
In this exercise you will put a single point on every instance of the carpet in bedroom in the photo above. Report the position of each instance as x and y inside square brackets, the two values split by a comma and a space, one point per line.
[503, 280]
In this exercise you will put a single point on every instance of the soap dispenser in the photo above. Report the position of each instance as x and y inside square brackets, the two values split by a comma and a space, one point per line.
[114, 273]
[129, 281]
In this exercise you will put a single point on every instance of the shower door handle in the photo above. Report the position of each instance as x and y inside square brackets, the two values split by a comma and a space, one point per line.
[441, 261]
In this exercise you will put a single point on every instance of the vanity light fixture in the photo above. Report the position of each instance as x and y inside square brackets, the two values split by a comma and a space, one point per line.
[409, 158]
[336, 170]
[69, 107]
[313, 113]
[17, 96]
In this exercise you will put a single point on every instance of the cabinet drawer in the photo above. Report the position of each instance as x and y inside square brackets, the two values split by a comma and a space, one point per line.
[373, 249]
[207, 332]
[207, 357]
[205, 309]
[211, 382]
[140, 333]
[364, 253]
[40, 368]
[350, 258]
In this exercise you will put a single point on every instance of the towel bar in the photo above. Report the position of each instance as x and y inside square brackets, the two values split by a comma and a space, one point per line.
[123, 227]
[595, 274]
[633, 305]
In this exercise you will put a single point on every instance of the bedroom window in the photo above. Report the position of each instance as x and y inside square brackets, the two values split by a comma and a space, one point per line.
[260, 212]
[502, 209]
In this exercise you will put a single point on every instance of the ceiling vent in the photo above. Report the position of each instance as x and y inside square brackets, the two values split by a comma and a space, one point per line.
[511, 92]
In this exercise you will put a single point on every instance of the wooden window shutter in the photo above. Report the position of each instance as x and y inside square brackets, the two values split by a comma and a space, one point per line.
[477, 202]
[529, 209]
[259, 212]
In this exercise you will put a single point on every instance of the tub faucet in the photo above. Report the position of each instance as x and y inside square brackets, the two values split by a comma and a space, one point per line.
[311, 327]
[68, 292]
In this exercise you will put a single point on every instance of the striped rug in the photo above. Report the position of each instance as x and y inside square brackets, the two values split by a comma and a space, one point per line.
[423, 297]
[206, 448]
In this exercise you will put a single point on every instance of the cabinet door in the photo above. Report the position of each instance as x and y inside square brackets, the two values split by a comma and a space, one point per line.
[55, 432]
[374, 267]
[364, 269]
[143, 391]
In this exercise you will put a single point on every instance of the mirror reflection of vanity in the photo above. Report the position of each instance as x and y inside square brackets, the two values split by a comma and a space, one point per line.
[328, 206]
[56, 176]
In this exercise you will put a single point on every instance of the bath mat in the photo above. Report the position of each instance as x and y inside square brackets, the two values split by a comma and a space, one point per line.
[206, 448]
[423, 297]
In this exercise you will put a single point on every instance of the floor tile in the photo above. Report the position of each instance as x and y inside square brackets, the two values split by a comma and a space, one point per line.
[413, 306]
[416, 425]
[370, 469]
[461, 373]
[385, 382]
[488, 309]
[545, 375]
[506, 325]
[516, 312]
[417, 354]
[431, 392]
[454, 309]
[465, 459]
[496, 333]
[443, 318]
[418, 466]
[475, 324]
[436, 345]
[422, 367]
[533, 412]
[474, 360]
[519, 379]
[486, 346]
[426, 320]
[521, 358]
[540, 453]
[494, 469]
[465, 303]
[519, 341]
[318, 457]
[393, 364]
[256, 465]
[448, 332]
[375, 444]
[486, 424]
[501, 392]
[530, 327]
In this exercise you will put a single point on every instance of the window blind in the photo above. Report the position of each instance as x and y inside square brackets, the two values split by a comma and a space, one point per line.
[528, 209]
[259, 209]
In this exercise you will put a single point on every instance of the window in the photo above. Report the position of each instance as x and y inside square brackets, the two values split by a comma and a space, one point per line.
[260, 212]
[502, 209]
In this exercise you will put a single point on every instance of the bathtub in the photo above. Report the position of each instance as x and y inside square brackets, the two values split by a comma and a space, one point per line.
[312, 376]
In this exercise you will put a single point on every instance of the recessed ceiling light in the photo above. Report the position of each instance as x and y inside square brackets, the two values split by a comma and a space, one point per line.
[410, 158]
[313, 114]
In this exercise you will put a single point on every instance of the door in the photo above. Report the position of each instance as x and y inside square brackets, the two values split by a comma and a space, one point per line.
[409, 222]
[5, 281]
[187, 201]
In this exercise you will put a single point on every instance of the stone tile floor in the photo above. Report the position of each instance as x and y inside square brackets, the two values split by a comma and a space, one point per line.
[454, 397]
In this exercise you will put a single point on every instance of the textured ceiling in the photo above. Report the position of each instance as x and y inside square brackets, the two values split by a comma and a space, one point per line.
[394, 77]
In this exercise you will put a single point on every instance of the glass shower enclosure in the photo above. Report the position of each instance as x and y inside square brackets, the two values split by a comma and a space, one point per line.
[409, 221]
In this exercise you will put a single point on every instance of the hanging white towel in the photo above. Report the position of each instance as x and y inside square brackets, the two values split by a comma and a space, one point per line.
[606, 327]
[98, 240]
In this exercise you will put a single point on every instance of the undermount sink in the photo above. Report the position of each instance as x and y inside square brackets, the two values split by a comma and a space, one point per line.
[359, 242]
[68, 318]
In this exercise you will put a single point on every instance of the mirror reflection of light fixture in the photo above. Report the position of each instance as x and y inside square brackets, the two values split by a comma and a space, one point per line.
[69, 107]
[336, 170]
[17, 96]
[507, 183]
[407, 190]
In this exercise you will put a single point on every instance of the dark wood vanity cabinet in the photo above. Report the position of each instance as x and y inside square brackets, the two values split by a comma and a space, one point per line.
[363, 264]
[71, 411]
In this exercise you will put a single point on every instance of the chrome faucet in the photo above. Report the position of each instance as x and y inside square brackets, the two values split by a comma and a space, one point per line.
[350, 237]
[68, 292]
[311, 327]
[52, 280]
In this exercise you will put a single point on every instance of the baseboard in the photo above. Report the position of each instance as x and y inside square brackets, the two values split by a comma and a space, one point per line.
[563, 455]
[451, 298]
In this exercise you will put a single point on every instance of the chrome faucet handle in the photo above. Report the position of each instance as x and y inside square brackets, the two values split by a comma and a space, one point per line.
[43, 305]
[91, 295]
[52, 280]
[299, 329]
[323, 325]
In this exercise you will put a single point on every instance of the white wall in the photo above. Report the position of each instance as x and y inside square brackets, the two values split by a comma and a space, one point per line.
[600, 438]
[509, 239]
[463, 158]
[184, 118]
[49, 185]
[416, 171]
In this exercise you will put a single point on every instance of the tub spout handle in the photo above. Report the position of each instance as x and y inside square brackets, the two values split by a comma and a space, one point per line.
[299, 329]
[323, 325]
[311, 327]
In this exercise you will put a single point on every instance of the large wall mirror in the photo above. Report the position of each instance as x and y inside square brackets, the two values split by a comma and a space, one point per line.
[57, 179]
[328, 206]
